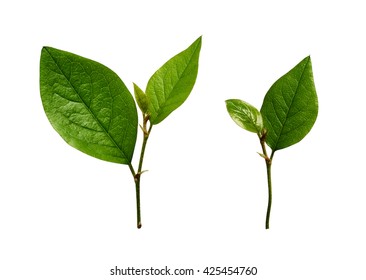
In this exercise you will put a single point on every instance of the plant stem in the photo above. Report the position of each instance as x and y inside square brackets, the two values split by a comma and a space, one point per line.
[268, 161]
[146, 137]
[137, 176]
[269, 194]
[138, 207]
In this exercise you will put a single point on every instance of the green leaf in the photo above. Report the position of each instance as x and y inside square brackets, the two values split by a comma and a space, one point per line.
[171, 85]
[141, 99]
[245, 115]
[290, 107]
[88, 105]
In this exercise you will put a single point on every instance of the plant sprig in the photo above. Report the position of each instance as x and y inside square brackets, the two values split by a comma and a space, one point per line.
[94, 112]
[288, 113]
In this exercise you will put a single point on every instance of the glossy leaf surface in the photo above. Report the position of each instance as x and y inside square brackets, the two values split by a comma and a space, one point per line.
[171, 84]
[245, 115]
[88, 105]
[290, 107]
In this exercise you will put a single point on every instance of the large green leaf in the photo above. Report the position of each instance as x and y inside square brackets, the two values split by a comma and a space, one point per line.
[171, 85]
[245, 115]
[88, 105]
[290, 107]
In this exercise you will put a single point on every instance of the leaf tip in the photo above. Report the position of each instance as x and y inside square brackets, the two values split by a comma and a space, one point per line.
[44, 49]
[307, 58]
[137, 88]
[198, 41]
[227, 103]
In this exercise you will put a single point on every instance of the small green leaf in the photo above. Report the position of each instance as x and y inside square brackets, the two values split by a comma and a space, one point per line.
[88, 105]
[141, 98]
[171, 85]
[290, 107]
[245, 115]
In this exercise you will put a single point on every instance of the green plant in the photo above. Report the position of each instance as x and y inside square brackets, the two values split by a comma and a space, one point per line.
[288, 113]
[94, 112]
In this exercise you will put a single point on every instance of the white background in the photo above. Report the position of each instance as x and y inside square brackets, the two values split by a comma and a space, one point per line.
[65, 215]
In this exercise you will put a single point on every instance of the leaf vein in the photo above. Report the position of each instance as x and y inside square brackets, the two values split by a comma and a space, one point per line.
[292, 100]
[179, 78]
[84, 103]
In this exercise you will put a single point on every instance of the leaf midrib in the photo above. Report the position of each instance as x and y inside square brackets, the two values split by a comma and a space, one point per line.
[179, 78]
[84, 103]
[248, 115]
[292, 101]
